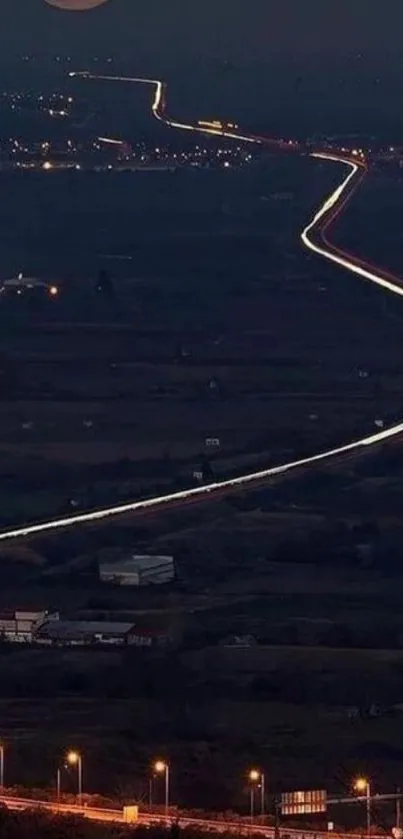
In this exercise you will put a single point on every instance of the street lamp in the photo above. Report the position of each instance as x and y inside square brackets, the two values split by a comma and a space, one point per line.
[75, 759]
[364, 785]
[256, 778]
[1, 765]
[58, 784]
[161, 767]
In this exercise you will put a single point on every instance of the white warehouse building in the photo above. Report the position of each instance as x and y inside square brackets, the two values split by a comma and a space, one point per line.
[137, 570]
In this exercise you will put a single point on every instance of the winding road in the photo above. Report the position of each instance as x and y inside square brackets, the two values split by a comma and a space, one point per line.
[315, 238]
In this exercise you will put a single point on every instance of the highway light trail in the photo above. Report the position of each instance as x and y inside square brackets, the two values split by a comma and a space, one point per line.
[158, 107]
[331, 252]
[314, 239]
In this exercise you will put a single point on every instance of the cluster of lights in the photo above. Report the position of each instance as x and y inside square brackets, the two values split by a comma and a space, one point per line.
[49, 104]
[67, 59]
[48, 155]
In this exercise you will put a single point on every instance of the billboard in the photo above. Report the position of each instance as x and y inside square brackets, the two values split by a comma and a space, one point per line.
[303, 802]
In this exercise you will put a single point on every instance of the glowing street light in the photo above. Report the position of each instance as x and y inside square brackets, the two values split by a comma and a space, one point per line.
[364, 785]
[161, 767]
[75, 759]
[256, 778]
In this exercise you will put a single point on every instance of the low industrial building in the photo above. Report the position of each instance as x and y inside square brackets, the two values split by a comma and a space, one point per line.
[74, 633]
[45, 628]
[84, 633]
[137, 570]
[21, 625]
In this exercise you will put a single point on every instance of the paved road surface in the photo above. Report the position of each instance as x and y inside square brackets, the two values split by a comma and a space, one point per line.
[237, 828]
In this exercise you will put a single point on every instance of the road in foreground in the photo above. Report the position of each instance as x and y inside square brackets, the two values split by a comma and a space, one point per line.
[315, 238]
[148, 820]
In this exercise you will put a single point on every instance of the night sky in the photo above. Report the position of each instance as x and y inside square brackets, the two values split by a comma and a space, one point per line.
[236, 30]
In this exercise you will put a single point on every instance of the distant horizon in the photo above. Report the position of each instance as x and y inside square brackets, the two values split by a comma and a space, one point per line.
[228, 29]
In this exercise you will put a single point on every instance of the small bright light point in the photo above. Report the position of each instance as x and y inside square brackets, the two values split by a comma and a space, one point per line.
[53, 290]
[73, 758]
[254, 775]
[47, 166]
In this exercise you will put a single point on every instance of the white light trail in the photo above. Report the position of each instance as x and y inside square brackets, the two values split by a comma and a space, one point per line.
[331, 252]
[326, 213]
[158, 107]
[110, 141]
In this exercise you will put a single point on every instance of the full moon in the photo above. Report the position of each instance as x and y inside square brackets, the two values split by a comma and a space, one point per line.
[75, 5]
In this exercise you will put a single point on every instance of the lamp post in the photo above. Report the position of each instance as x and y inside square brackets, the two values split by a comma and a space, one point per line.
[1, 765]
[58, 784]
[75, 759]
[256, 777]
[161, 767]
[150, 793]
[364, 785]
[252, 803]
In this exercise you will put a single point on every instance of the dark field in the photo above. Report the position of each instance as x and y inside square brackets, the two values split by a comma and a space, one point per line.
[371, 227]
[220, 326]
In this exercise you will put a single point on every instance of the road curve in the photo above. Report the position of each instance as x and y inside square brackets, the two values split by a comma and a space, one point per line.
[315, 238]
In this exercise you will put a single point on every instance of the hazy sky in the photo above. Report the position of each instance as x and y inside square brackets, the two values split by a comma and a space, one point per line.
[233, 29]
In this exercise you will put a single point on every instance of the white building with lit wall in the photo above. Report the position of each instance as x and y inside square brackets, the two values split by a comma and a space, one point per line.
[138, 570]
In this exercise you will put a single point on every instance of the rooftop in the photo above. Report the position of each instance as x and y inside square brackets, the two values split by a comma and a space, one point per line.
[72, 629]
[28, 282]
[131, 564]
